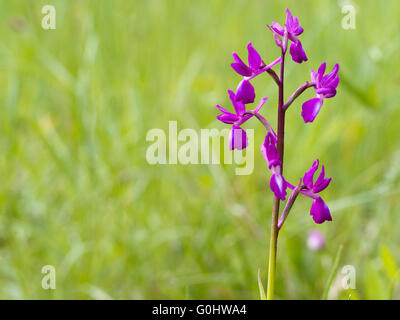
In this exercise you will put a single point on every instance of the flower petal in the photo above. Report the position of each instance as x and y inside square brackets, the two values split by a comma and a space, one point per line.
[228, 118]
[269, 151]
[223, 110]
[311, 108]
[240, 67]
[243, 70]
[254, 58]
[278, 186]
[326, 92]
[320, 211]
[276, 28]
[308, 179]
[237, 138]
[297, 52]
[314, 75]
[321, 182]
[245, 92]
[321, 71]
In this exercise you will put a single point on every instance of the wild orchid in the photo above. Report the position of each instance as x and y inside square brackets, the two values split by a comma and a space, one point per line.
[272, 149]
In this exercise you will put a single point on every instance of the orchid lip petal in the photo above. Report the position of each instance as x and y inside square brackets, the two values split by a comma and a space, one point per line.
[297, 52]
[320, 211]
[311, 108]
[237, 138]
[245, 92]
[278, 186]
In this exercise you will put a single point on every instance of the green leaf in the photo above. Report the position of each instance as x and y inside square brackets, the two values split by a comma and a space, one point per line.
[389, 263]
[261, 288]
[332, 273]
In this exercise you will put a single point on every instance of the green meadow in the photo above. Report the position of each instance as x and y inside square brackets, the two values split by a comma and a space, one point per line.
[76, 190]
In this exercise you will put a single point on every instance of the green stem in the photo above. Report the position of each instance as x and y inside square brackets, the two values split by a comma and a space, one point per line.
[273, 244]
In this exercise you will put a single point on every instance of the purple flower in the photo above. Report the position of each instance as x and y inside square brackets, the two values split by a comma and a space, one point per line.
[245, 92]
[237, 137]
[292, 26]
[319, 210]
[297, 52]
[325, 87]
[316, 240]
[277, 183]
[254, 59]
[270, 152]
[321, 183]
[291, 31]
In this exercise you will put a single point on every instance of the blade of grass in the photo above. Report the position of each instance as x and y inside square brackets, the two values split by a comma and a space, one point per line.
[261, 287]
[332, 273]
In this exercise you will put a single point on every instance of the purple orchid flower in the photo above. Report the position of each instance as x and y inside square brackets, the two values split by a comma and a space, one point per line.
[245, 90]
[319, 210]
[237, 136]
[277, 183]
[325, 87]
[291, 31]
[255, 62]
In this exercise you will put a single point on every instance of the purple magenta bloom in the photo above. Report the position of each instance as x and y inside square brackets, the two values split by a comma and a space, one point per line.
[292, 26]
[291, 31]
[254, 59]
[237, 137]
[316, 240]
[270, 152]
[325, 87]
[297, 52]
[320, 211]
[245, 92]
[321, 183]
[277, 183]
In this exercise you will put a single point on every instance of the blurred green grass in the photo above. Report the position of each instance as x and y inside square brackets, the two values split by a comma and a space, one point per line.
[76, 191]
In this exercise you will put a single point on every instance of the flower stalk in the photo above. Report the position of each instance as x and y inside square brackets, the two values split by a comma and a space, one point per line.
[274, 144]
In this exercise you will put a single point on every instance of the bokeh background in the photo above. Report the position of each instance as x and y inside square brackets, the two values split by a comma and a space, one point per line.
[76, 191]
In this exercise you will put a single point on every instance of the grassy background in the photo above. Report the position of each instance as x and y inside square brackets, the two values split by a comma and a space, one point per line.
[77, 193]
